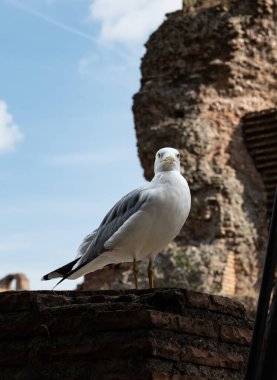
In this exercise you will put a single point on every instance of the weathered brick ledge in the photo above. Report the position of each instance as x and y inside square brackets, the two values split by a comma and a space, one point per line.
[157, 334]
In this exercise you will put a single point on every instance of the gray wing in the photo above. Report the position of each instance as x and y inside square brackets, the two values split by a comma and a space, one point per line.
[119, 214]
[85, 244]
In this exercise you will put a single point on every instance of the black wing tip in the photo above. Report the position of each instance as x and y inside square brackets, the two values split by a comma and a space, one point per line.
[51, 276]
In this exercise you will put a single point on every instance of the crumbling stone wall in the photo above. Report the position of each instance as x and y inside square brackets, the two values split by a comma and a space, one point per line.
[20, 279]
[156, 334]
[201, 73]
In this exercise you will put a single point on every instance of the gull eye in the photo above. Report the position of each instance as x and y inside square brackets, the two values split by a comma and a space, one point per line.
[178, 155]
[159, 155]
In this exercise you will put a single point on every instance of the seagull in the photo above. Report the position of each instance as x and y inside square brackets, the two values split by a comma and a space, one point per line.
[139, 226]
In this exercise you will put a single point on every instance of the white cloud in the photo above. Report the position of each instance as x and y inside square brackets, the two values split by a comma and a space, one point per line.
[130, 21]
[9, 132]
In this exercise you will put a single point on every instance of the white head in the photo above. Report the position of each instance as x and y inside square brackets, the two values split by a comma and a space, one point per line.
[167, 159]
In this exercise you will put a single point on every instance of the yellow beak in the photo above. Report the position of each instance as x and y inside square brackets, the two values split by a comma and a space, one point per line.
[169, 159]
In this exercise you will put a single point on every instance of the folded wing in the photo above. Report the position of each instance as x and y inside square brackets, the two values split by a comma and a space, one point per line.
[94, 244]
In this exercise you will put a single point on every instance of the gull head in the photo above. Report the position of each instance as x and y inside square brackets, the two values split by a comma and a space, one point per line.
[167, 159]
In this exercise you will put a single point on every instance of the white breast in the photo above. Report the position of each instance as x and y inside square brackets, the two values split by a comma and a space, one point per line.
[170, 207]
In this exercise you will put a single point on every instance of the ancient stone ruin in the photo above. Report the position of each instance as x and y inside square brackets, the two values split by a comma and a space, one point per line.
[20, 281]
[204, 70]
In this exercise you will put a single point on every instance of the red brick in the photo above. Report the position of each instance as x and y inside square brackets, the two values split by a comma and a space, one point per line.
[164, 376]
[113, 349]
[130, 319]
[213, 359]
[16, 301]
[190, 325]
[215, 303]
[87, 324]
[124, 320]
[197, 300]
[148, 376]
[126, 376]
[232, 334]
[226, 306]
[204, 327]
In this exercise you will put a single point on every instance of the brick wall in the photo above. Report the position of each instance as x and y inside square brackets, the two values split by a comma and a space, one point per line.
[156, 334]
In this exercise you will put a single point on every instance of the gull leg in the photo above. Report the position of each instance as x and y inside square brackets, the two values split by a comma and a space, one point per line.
[135, 272]
[151, 274]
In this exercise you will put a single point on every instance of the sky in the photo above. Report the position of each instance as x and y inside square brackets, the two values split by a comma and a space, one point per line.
[69, 69]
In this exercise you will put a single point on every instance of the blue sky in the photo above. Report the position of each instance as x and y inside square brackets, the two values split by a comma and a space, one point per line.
[69, 69]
